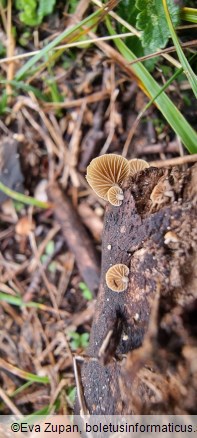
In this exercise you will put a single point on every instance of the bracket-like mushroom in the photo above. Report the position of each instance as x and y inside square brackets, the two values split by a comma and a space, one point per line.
[105, 172]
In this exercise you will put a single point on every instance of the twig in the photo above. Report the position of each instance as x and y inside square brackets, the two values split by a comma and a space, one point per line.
[10, 47]
[63, 383]
[84, 316]
[50, 145]
[51, 234]
[66, 46]
[48, 285]
[37, 274]
[55, 135]
[114, 94]
[79, 386]
[3, 16]
[9, 403]
[158, 148]
[71, 158]
[80, 10]
[92, 98]
[130, 135]
[76, 237]
[4, 128]
[91, 220]
[178, 161]
[188, 44]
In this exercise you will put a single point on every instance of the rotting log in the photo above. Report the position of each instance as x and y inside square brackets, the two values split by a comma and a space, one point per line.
[142, 352]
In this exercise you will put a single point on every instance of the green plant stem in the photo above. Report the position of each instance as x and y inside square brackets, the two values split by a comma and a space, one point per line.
[23, 198]
[21, 388]
[184, 62]
[25, 87]
[174, 117]
[165, 86]
[189, 14]
[17, 301]
[66, 33]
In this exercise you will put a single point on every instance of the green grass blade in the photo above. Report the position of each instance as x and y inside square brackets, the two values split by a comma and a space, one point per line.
[192, 78]
[166, 85]
[34, 417]
[189, 14]
[32, 61]
[20, 389]
[34, 378]
[17, 301]
[25, 375]
[25, 87]
[23, 198]
[176, 120]
[10, 299]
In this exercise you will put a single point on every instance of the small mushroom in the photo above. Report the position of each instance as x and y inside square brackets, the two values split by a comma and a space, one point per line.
[105, 172]
[24, 226]
[161, 193]
[170, 237]
[136, 165]
[117, 277]
[115, 196]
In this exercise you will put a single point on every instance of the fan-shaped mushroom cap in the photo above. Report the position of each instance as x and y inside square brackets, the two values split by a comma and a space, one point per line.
[161, 192]
[106, 171]
[117, 277]
[136, 165]
[115, 196]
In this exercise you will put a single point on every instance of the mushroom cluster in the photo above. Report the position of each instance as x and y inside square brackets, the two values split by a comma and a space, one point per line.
[106, 173]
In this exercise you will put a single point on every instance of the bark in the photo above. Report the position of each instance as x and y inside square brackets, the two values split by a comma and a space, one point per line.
[142, 349]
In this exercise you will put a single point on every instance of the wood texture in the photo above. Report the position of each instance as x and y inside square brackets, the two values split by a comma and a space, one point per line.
[139, 337]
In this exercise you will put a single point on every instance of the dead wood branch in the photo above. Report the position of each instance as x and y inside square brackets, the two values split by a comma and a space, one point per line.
[159, 245]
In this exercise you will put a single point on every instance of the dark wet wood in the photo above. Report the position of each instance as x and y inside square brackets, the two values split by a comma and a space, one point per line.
[134, 234]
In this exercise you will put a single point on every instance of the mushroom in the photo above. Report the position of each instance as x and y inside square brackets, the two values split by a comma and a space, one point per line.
[105, 172]
[117, 277]
[115, 195]
[161, 192]
[170, 237]
[136, 165]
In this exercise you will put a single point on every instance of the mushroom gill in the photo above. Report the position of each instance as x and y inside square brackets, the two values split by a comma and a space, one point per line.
[136, 165]
[105, 172]
[117, 277]
[161, 193]
[115, 196]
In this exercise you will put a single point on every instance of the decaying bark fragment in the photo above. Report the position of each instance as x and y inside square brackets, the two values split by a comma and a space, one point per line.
[76, 237]
[143, 339]
[10, 168]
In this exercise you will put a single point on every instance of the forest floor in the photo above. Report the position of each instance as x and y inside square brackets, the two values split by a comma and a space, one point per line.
[47, 301]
